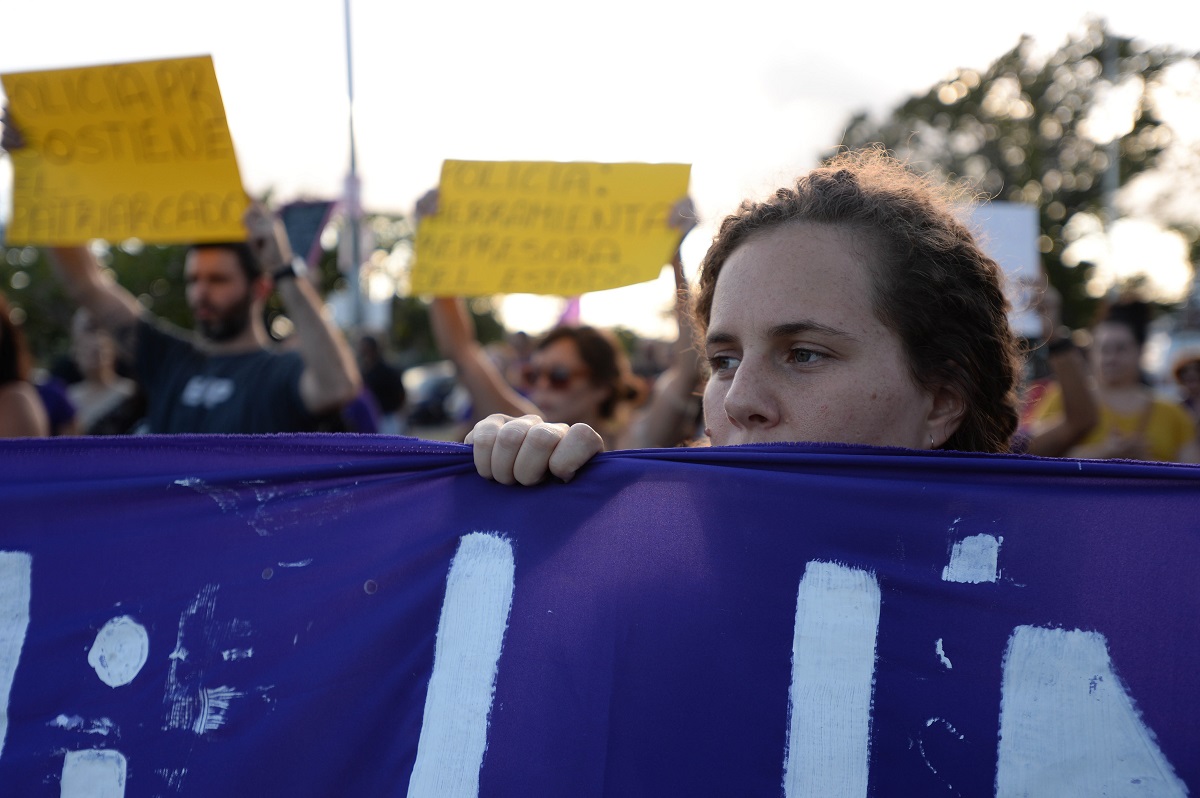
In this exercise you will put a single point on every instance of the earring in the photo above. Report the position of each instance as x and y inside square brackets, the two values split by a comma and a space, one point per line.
[931, 443]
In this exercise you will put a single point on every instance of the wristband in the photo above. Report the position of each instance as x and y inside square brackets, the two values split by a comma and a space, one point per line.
[297, 268]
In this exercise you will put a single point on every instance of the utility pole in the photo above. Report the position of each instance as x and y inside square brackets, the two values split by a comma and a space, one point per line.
[353, 193]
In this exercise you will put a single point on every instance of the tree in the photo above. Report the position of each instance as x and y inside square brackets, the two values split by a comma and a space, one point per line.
[154, 274]
[1033, 130]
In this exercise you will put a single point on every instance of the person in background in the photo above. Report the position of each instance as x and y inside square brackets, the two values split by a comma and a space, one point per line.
[223, 377]
[669, 417]
[576, 374]
[1069, 377]
[1186, 371]
[1134, 423]
[852, 307]
[56, 401]
[105, 402]
[21, 412]
[386, 384]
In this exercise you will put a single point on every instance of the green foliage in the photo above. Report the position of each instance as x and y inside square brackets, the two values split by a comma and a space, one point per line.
[1017, 131]
[153, 274]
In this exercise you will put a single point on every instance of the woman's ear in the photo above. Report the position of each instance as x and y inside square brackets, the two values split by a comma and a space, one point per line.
[946, 412]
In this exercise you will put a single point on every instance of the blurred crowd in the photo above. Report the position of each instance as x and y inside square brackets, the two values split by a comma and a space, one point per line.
[1086, 393]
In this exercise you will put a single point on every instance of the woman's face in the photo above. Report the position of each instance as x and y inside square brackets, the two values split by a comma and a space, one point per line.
[797, 353]
[561, 387]
[91, 345]
[1116, 355]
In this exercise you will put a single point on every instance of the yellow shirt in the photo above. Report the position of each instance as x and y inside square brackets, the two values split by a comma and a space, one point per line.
[1168, 429]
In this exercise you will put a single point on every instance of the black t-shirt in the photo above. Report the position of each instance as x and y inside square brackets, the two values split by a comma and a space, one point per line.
[387, 386]
[188, 390]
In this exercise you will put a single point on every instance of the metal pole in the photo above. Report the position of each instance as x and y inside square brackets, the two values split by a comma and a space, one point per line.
[353, 209]
[1111, 179]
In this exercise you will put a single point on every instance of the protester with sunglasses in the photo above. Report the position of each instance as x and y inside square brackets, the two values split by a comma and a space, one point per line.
[852, 306]
[576, 374]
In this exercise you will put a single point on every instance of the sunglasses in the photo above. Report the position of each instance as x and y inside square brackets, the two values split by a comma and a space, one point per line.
[559, 378]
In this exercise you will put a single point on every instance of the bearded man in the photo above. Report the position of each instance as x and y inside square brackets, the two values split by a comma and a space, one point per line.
[225, 377]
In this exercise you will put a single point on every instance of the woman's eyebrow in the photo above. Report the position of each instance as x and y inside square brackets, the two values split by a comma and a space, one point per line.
[717, 337]
[798, 327]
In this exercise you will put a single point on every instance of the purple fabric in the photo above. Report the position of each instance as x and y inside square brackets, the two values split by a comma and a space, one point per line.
[649, 646]
[57, 403]
[570, 315]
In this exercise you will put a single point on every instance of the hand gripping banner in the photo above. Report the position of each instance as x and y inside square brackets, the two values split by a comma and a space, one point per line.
[318, 615]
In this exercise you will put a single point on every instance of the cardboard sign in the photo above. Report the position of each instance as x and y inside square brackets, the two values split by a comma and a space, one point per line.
[304, 221]
[1008, 233]
[547, 228]
[122, 151]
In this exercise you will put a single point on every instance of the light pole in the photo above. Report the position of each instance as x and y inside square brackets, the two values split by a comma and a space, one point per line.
[353, 198]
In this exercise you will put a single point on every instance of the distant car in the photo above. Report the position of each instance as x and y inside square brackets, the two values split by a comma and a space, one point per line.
[430, 388]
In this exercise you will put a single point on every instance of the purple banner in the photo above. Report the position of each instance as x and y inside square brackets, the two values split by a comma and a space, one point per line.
[343, 615]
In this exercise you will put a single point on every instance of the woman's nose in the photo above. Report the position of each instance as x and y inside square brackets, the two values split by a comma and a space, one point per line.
[751, 401]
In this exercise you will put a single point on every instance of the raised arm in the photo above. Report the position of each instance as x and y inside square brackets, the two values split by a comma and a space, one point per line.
[113, 307]
[330, 379]
[660, 422]
[1080, 410]
[77, 269]
[454, 333]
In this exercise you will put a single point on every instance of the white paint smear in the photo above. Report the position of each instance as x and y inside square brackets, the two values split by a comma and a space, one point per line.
[173, 777]
[214, 703]
[103, 726]
[945, 727]
[470, 635]
[69, 722]
[120, 651]
[93, 774]
[974, 560]
[1068, 728]
[833, 669]
[16, 572]
[268, 509]
[942, 655]
[183, 690]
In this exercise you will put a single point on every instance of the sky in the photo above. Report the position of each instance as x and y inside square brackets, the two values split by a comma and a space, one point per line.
[750, 95]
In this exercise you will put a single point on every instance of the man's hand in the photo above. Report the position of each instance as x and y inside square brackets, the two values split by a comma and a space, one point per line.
[267, 238]
[526, 449]
[10, 138]
[427, 205]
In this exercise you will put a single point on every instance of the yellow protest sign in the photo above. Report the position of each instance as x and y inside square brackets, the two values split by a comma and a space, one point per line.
[122, 151]
[547, 228]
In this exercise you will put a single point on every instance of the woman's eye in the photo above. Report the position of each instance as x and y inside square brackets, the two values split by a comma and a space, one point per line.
[722, 363]
[800, 355]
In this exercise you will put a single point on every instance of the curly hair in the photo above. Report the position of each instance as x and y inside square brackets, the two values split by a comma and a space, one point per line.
[607, 362]
[932, 285]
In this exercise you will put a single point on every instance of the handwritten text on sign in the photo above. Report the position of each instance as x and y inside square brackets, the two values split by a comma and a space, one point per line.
[547, 228]
[136, 150]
